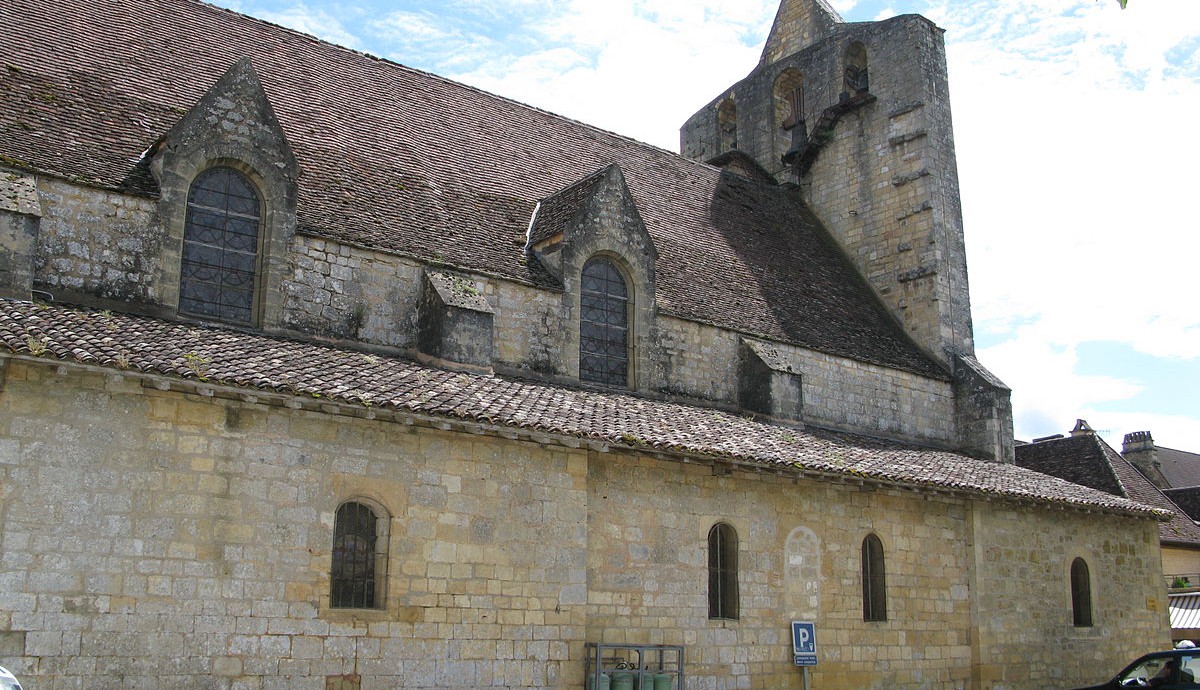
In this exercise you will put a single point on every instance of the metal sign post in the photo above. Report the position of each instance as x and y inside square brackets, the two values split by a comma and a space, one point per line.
[804, 646]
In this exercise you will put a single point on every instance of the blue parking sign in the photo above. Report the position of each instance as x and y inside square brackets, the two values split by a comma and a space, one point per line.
[804, 643]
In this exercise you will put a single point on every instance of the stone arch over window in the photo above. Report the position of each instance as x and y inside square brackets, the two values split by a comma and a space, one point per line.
[219, 266]
[604, 308]
[228, 142]
[874, 580]
[1081, 594]
[790, 132]
[358, 570]
[802, 570]
[727, 125]
[789, 99]
[722, 572]
[856, 79]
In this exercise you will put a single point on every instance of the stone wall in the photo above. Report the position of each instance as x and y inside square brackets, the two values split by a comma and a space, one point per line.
[102, 245]
[98, 243]
[837, 392]
[798, 559]
[1022, 590]
[153, 539]
[157, 537]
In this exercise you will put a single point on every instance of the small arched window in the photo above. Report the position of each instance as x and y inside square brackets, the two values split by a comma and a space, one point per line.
[603, 324]
[219, 270]
[722, 572]
[789, 99]
[857, 80]
[1081, 594]
[359, 538]
[727, 124]
[874, 580]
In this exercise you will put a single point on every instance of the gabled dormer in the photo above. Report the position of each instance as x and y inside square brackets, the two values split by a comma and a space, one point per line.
[228, 205]
[591, 238]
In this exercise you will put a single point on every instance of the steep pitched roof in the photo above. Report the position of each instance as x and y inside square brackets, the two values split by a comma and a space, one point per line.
[1181, 468]
[313, 374]
[1086, 459]
[398, 159]
[1187, 498]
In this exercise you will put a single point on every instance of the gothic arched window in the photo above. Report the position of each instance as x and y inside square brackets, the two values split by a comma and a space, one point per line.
[358, 557]
[1081, 594]
[722, 572]
[219, 270]
[603, 324]
[874, 580]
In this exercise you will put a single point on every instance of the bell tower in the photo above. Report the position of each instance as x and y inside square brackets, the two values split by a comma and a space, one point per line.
[857, 117]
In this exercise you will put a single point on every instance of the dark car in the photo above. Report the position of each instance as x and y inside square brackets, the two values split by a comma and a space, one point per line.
[1173, 670]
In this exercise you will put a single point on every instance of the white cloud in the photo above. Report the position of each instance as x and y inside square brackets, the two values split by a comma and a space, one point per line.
[1070, 127]
[637, 67]
[315, 22]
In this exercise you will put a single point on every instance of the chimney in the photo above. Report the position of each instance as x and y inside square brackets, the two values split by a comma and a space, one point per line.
[1138, 448]
[1136, 442]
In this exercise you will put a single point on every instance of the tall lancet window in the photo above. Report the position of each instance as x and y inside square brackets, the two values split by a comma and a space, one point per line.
[604, 324]
[219, 271]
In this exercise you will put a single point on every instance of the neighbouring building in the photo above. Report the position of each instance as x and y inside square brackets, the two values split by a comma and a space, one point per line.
[1084, 458]
[320, 372]
[1173, 471]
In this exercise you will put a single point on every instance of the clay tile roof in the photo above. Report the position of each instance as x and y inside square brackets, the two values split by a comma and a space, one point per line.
[405, 161]
[1187, 498]
[1086, 459]
[224, 357]
[1179, 467]
[557, 213]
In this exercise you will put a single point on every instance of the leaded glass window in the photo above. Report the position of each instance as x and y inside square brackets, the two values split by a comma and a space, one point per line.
[604, 325]
[354, 557]
[219, 268]
[722, 572]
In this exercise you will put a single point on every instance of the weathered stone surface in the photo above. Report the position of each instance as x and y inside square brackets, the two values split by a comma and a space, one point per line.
[139, 520]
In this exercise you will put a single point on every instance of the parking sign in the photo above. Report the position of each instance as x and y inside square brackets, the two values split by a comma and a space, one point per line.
[804, 643]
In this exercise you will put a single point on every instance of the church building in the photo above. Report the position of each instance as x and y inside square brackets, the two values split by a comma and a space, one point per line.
[318, 372]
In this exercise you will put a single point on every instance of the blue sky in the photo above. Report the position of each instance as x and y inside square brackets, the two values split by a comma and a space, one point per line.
[1075, 126]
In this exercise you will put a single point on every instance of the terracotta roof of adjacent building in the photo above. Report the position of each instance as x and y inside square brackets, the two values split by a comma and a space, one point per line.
[1086, 459]
[312, 373]
[401, 160]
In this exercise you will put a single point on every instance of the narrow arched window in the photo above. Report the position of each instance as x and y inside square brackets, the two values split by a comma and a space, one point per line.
[874, 580]
[857, 80]
[722, 572]
[218, 272]
[603, 324]
[789, 99]
[357, 558]
[727, 124]
[1081, 594]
